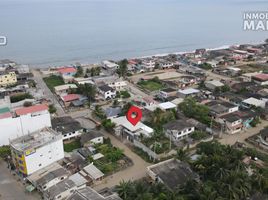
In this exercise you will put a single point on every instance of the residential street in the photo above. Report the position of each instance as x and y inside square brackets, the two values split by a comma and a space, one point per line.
[10, 188]
[46, 91]
[243, 135]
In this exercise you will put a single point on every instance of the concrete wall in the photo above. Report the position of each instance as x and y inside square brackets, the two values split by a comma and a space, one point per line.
[12, 128]
[44, 156]
[145, 149]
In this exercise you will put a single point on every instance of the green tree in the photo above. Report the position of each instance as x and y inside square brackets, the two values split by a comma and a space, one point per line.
[95, 71]
[125, 189]
[79, 72]
[87, 90]
[182, 155]
[5, 151]
[108, 125]
[52, 109]
[122, 69]
[192, 109]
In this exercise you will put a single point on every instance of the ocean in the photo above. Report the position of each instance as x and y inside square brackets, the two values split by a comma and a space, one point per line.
[61, 32]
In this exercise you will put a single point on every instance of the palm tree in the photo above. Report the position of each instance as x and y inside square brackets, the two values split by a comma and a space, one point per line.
[125, 189]
[221, 173]
[207, 193]
[142, 191]
[158, 188]
[182, 155]
[259, 181]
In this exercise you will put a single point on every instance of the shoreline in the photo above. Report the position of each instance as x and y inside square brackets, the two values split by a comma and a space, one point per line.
[46, 66]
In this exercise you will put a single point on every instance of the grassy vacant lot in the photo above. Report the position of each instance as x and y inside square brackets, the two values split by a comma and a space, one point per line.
[69, 147]
[53, 81]
[151, 85]
[110, 162]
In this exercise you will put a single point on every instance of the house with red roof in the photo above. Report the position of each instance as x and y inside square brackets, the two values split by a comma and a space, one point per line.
[261, 79]
[69, 98]
[36, 109]
[67, 71]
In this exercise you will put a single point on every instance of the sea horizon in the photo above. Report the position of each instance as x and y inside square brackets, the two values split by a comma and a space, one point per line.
[48, 33]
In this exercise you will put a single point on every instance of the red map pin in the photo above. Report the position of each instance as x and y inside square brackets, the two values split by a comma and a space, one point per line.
[134, 115]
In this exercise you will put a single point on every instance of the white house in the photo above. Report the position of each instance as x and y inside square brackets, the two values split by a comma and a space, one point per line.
[178, 129]
[63, 89]
[188, 92]
[48, 176]
[148, 65]
[124, 128]
[107, 92]
[213, 84]
[109, 65]
[67, 126]
[91, 137]
[253, 102]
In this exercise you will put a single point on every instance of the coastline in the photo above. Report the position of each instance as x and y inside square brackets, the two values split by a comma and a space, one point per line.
[44, 66]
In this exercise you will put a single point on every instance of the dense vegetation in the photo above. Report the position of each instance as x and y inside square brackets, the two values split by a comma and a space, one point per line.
[87, 90]
[122, 70]
[94, 71]
[20, 97]
[69, 147]
[4, 152]
[52, 109]
[123, 94]
[205, 66]
[192, 109]
[223, 176]
[110, 162]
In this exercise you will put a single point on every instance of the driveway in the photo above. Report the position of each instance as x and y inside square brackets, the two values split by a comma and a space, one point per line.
[10, 188]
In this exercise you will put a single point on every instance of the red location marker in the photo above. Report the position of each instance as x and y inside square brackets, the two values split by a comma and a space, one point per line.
[134, 115]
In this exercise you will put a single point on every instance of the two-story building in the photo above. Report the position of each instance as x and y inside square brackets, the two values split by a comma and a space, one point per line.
[107, 92]
[178, 129]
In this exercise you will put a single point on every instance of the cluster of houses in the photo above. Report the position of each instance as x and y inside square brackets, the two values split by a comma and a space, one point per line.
[39, 157]
[236, 102]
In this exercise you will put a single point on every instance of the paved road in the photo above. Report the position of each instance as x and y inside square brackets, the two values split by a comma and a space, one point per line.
[243, 135]
[10, 188]
[46, 91]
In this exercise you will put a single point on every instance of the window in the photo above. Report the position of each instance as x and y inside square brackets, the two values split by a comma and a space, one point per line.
[22, 168]
[40, 165]
[41, 155]
[65, 135]
[20, 161]
[61, 178]
[58, 197]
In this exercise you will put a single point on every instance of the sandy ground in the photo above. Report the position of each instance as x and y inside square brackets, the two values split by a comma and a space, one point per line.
[11, 188]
